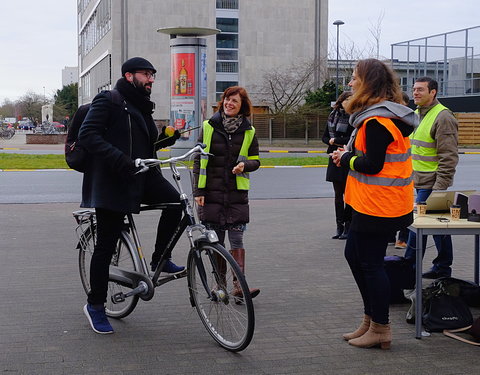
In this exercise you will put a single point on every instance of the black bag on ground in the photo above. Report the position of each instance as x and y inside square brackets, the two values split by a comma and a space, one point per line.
[401, 274]
[75, 155]
[443, 306]
[470, 293]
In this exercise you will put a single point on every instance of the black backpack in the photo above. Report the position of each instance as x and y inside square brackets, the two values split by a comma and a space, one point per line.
[76, 156]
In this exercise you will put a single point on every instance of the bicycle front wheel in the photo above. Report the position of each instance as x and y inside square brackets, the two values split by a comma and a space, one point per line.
[123, 257]
[214, 281]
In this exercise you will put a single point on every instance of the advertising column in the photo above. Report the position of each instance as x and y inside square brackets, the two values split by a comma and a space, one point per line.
[188, 88]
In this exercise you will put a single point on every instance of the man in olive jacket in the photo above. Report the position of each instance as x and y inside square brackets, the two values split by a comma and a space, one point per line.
[435, 157]
[117, 134]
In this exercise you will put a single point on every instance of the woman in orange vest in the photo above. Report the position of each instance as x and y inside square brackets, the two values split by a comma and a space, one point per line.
[379, 189]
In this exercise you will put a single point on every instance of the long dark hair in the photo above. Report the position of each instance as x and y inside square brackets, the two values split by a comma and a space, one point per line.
[342, 97]
[377, 82]
[246, 107]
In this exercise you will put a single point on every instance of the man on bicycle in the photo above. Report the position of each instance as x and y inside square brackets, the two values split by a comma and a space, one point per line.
[117, 134]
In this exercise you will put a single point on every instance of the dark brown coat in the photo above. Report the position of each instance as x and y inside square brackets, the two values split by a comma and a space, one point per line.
[224, 204]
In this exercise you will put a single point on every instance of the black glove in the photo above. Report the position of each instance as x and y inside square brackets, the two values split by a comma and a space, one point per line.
[165, 140]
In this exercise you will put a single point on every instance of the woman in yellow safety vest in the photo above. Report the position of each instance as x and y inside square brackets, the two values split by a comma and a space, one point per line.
[222, 180]
[379, 189]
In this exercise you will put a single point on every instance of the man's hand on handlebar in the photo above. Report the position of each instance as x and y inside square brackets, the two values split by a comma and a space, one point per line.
[140, 165]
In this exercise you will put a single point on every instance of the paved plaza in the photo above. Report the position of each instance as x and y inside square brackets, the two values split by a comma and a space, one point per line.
[308, 299]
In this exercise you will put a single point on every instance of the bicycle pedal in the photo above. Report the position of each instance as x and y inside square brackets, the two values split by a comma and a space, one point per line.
[180, 275]
[118, 297]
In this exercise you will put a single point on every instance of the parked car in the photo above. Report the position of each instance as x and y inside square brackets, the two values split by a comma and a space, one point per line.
[26, 125]
[60, 127]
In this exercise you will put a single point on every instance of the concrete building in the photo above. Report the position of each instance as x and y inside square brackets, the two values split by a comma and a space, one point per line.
[256, 37]
[69, 75]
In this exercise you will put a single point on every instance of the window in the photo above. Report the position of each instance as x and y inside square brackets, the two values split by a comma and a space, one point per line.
[227, 67]
[96, 79]
[227, 54]
[227, 25]
[227, 4]
[221, 86]
[97, 26]
[227, 41]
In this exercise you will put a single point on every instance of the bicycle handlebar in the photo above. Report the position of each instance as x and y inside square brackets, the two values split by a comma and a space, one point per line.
[199, 148]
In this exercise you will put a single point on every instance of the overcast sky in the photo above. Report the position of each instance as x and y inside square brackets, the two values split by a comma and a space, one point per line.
[38, 38]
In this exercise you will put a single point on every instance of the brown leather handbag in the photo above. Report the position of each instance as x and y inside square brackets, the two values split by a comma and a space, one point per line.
[473, 330]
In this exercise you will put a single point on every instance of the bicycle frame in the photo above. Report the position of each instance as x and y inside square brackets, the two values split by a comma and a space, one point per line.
[187, 223]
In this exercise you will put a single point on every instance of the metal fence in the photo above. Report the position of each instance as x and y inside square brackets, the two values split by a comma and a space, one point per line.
[273, 127]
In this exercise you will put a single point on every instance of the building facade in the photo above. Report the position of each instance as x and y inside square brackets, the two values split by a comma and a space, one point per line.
[69, 75]
[256, 37]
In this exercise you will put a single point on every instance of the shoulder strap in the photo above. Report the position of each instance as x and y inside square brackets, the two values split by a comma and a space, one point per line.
[116, 97]
[451, 333]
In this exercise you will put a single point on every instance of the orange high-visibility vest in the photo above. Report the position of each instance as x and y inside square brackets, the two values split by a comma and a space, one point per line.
[388, 193]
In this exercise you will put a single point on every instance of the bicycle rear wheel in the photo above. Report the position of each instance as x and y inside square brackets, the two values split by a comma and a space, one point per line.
[212, 272]
[124, 257]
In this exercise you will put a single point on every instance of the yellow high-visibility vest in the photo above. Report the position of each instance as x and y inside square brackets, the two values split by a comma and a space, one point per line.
[424, 147]
[242, 179]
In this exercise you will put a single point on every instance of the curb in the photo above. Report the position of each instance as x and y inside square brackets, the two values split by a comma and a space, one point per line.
[275, 151]
[166, 168]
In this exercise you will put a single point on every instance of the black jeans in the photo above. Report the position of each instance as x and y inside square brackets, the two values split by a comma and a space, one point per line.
[364, 253]
[109, 225]
[343, 212]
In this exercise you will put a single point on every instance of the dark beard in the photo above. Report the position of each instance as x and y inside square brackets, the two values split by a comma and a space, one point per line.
[140, 87]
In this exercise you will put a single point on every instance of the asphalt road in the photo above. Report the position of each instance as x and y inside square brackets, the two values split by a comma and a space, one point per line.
[268, 183]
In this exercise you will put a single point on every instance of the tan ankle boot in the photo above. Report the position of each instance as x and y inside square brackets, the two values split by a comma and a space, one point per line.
[360, 330]
[239, 256]
[377, 334]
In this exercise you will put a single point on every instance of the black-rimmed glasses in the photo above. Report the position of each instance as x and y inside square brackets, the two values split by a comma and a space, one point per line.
[149, 75]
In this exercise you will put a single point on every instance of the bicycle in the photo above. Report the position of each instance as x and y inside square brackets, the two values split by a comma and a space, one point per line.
[6, 133]
[210, 271]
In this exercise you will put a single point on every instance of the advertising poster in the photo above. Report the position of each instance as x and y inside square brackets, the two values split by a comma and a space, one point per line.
[183, 111]
[183, 74]
[203, 84]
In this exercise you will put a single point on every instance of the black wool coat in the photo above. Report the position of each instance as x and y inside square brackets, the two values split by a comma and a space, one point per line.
[115, 135]
[224, 203]
[338, 123]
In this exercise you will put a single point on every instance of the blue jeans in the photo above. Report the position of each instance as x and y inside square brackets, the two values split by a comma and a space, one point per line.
[444, 245]
[365, 253]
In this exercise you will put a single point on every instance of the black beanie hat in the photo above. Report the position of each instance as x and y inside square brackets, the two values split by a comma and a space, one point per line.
[137, 63]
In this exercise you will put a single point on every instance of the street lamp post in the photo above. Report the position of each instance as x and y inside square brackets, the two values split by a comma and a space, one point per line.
[337, 23]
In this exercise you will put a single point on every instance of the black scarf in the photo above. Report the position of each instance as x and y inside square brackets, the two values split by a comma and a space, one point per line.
[337, 122]
[131, 94]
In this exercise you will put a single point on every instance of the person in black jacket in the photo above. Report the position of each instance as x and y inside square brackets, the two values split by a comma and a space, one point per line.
[222, 196]
[337, 133]
[115, 182]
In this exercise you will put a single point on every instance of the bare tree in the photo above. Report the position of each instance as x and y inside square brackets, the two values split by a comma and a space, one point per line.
[376, 31]
[285, 88]
[7, 109]
[30, 105]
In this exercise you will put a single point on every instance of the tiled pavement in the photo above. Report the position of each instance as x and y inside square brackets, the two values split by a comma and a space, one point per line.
[308, 299]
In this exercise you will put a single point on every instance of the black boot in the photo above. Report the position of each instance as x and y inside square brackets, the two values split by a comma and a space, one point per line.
[344, 235]
[340, 229]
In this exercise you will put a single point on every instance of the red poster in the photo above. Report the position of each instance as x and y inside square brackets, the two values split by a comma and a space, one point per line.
[183, 74]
